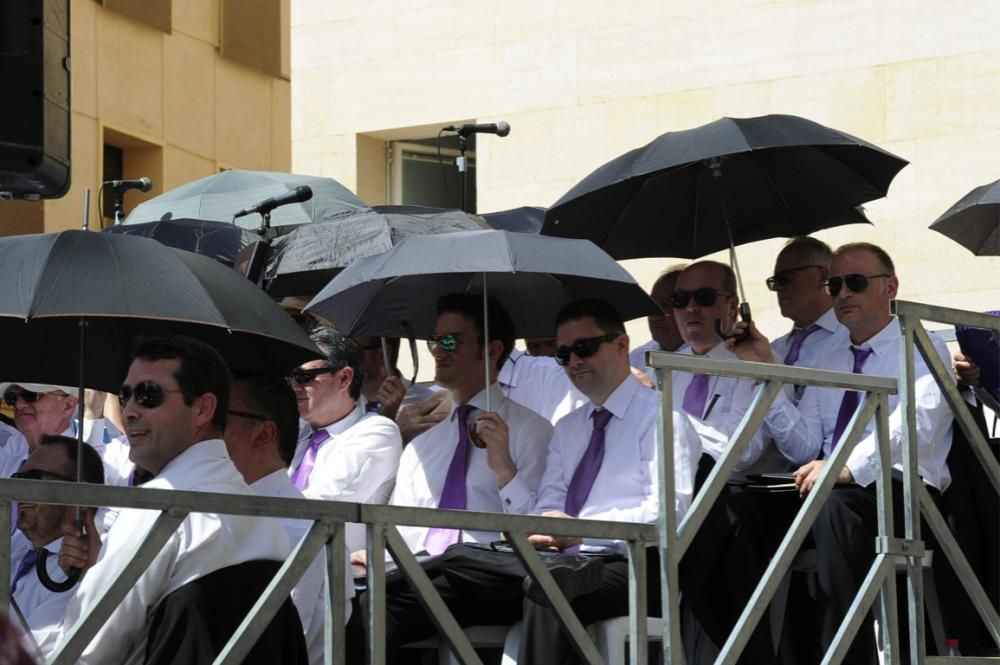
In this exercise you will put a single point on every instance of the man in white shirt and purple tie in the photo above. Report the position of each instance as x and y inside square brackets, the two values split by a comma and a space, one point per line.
[348, 455]
[487, 460]
[862, 283]
[799, 280]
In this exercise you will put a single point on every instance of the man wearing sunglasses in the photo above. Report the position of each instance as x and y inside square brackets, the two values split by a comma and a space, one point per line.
[345, 454]
[39, 410]
[261, 435]
[662, 327]
[175, 403]
[487, 461]
[40, 526]
[799, 280]
[862, 283]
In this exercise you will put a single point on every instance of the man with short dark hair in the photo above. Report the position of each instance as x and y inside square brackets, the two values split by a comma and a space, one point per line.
[348, 455]
[261, 436]
[40, 529]
[175, 401]
[863, 283]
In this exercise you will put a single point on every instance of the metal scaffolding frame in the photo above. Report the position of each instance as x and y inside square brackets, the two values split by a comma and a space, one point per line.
[672, 538]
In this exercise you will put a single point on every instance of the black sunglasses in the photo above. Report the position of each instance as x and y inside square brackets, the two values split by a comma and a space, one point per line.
[584, 348]
[784, 278]
[855, 282]
[39, 474]
[147, 394]
[680, 298]
[307, 376]
[11, 396]
[448, 342]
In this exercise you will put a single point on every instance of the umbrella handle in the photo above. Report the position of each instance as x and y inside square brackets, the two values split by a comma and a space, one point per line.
[744, 316]
[43, 574]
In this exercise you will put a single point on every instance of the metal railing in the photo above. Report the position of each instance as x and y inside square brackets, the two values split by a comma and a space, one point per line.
[672, 537]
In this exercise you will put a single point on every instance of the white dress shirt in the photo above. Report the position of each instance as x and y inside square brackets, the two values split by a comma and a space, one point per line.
[540, 384]
[356, 464]
[308, 592]
[830, 333]
[425, 462]
[626, 488]
[728, 401]
[814, 422]
[201, 545]
[42, 609]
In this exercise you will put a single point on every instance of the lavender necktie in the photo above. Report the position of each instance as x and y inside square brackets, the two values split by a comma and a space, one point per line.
[301, 476]
[586, 471]
[850, 400]
[453, 492]
[27, 563]
[799, 336]
[696, 394]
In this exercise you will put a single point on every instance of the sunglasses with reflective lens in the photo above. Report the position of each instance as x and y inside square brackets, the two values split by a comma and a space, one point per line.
[448, 342]
[855, 282]
[784, 278]
[584, 348]
[147, 394]
[307, 376]
[680, 298]
[39, 474]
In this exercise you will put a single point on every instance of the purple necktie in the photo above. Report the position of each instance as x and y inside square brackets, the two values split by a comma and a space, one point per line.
[850, 401]
[696, 394]
[799, 336]
[453, 491]
[301, 476]
[372, 407]
[586, 471]
[23, 568]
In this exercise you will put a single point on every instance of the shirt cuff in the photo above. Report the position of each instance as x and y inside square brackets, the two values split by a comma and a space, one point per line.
[516, 496]
[864, 470]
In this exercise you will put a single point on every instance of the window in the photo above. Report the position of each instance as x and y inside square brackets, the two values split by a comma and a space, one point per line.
[418, 177]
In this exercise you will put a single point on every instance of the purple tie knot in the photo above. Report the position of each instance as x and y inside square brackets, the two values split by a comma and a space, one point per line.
[799, 336]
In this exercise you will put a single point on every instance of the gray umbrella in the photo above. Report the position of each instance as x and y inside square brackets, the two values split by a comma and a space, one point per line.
[218, 197]
[532, 276]
[974, 222]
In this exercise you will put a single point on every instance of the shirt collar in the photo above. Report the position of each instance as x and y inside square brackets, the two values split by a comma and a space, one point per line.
[479, 400]
[507, 376]
[883, 342]
[827, 321]
[193, 458]
[346, 422]
[618, 401]
[272, 483]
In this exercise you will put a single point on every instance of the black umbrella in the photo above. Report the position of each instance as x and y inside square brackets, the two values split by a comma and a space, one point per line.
[306, 258]
[218, 197]
[526, 219]
[532, 276]
[693, 192]
[121, 287]
[221, 241]
[974, 222]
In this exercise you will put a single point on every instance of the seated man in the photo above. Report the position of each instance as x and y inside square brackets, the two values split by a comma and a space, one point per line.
[863, 283]
[495, 469]
[347, 454]
[662, 327]
[40, 526]
[175, 400]
[261, 435]
[39, 409]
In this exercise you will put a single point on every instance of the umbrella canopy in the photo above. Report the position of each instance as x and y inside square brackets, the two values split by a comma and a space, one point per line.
[305, 259]
[221, 241]
[974, 222]
[526, 219]
[125, 286]
[532, 276]
[220, 196]
[693, 192]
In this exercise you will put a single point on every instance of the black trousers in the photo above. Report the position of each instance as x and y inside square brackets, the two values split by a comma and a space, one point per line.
[844, 533]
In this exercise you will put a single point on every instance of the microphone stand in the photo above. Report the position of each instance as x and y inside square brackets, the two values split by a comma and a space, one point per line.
[119, 201]
[461, 163]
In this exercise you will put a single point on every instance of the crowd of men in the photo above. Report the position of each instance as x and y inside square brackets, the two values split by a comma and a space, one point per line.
[569, 435]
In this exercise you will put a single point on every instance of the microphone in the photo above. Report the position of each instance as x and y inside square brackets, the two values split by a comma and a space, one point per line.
[499, 128]
[143, 184]
[297, 195]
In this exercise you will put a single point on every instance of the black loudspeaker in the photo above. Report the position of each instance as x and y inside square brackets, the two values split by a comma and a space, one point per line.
[35, 107]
